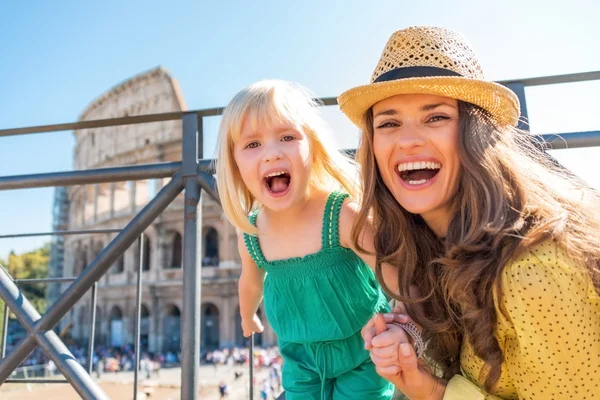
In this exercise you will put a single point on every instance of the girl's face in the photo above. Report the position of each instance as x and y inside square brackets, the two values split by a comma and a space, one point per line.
[415, 144]
[274, 162]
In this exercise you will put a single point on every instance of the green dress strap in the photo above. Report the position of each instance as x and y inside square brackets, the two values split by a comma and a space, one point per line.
[331, 220]
[252, 243]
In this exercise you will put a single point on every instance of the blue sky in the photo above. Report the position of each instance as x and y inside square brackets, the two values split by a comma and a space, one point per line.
[59, 56]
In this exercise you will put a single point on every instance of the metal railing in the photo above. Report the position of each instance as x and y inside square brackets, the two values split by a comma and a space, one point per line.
[191, 175]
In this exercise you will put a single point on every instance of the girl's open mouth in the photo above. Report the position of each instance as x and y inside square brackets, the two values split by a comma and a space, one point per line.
[277, 182]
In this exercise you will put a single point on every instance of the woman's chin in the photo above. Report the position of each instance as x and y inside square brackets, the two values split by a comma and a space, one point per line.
[417, 206]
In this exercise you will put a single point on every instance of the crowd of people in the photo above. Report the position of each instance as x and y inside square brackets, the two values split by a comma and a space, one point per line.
[269, 359]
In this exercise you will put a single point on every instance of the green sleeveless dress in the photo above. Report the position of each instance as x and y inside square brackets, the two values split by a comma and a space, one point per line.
[317, 305]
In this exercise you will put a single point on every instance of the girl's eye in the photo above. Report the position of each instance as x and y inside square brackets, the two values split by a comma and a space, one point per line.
[252, 145]
[287, 138]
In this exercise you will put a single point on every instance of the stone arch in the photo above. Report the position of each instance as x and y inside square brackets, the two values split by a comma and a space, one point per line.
[119, 265]
[81, 322]
[210, 247]
[144, 327]
[147, 253]
[82, 260]
[176, 251]
[209, 333]
[172, 329]
[117, 327]
[97, 249]
[98, 327]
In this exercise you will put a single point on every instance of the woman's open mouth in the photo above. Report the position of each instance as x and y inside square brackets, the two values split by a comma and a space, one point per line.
[278, 182]
[418, 173]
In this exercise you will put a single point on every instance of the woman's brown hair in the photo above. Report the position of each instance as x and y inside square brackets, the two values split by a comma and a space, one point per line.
[510, 196]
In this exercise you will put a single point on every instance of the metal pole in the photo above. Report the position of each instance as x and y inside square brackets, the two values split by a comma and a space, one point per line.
[89, 176]
[519, 89]
[48, 341]
[44, 280]
[4, 331]
[44, 381]
[74, 372]
[99, 266]
[98, 123]
[251, 394]
[572, 140]
[208, 184]
[192, 285]
[138, 312]
[92, 329]
[60, 233]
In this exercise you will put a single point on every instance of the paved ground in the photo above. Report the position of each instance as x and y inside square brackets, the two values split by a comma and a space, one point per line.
[120, 386]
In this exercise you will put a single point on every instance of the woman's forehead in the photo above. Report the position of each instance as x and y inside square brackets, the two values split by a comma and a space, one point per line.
[413, 101]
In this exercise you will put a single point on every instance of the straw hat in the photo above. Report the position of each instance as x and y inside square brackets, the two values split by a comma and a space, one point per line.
[430, 60]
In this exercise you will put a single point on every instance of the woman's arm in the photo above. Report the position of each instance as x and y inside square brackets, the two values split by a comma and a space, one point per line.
[550, 318]
[551, 315]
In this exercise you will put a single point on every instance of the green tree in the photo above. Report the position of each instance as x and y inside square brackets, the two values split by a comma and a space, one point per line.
[29, 265]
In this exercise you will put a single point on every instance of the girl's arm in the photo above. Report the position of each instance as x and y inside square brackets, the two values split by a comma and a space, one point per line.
[250, 290]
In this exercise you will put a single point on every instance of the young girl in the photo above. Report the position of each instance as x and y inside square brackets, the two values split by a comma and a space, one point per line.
[285, 187]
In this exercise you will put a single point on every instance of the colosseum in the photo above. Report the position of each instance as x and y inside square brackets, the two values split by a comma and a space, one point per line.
[107, 206]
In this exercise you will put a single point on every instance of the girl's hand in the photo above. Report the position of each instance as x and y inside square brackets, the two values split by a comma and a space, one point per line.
[252, 326]
[396, 361]
[398, 314]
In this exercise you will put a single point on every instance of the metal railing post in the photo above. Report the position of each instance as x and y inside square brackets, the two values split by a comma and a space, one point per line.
[519, 89]
[192, 263]
[138, 312]
[92, 328]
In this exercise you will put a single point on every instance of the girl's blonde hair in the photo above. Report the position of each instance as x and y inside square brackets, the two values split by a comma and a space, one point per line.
[261, 104]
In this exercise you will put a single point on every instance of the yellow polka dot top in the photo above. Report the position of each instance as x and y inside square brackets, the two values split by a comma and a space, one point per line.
[549, 333]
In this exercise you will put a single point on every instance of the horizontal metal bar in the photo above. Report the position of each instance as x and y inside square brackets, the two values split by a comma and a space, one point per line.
[60, 233]
[36, 381]
[104, 123]
[89, 176]
[44, 280]
[556, 141]
[555, 79]
[98, 123]
[211, 112]
[207, 165]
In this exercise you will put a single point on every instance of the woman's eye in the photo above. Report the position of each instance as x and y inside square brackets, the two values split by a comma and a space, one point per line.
[388, 124]
[437, 118]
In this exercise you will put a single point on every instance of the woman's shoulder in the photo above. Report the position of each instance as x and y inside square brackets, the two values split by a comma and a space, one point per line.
[548, 255]
[544, 269]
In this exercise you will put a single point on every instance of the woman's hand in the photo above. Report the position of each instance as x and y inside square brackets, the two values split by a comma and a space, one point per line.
[396, 360]
[251, 326]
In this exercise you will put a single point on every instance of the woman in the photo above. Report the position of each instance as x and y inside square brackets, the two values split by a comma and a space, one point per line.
[502, 244]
